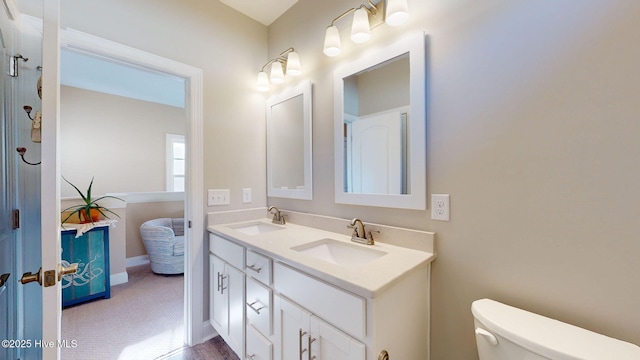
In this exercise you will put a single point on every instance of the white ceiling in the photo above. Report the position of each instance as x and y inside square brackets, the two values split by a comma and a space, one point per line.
[264, 11]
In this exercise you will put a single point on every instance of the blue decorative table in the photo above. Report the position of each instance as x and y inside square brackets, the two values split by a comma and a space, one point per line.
[91, 251]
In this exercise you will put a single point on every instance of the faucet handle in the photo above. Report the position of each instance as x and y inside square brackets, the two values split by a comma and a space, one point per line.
[370, 235]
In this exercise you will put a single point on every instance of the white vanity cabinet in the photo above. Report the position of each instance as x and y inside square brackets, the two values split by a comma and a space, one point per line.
[227, 292]
[285, 309]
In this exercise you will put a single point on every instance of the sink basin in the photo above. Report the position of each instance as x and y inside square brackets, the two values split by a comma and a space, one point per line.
[256, 228]
[339, 252]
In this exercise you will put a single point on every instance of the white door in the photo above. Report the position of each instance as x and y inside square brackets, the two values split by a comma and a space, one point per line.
[50, 179]
[377, 143]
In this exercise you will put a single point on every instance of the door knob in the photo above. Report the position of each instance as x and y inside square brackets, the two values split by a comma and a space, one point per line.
[29, 277]
[71, 269]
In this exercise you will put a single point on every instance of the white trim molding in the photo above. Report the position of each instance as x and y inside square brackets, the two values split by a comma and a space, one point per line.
[150, 196]
[119, 278]
[137, 260]
[194, 193]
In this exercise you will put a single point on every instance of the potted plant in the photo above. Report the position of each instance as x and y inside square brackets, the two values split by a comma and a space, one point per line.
[90, 211]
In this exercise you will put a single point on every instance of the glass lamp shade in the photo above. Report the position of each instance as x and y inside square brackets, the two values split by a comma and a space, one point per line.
[332, 46]
[277, 75]
[263, 81]
[360, 29]
[293, 64]
[397, 12]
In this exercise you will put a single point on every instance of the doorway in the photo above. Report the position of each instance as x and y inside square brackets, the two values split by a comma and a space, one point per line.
[193, 207]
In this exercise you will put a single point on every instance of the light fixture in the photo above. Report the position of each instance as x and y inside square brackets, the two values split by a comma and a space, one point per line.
[263, 81]
[289, 60]
[332, 45]
[277, 74]
[397, 12]
[293, 64]
[360, 29]
[365, 18]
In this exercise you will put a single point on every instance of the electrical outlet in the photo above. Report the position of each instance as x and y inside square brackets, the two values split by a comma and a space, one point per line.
[440, 207]
[246, 195]
[218, 197]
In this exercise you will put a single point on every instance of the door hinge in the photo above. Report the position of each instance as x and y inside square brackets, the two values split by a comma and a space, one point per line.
[15, 219]
[189, 224]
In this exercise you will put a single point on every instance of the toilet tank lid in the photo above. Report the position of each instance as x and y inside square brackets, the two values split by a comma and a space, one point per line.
[549, 337]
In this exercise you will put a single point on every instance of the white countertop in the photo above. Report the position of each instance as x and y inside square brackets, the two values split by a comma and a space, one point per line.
[368, 280]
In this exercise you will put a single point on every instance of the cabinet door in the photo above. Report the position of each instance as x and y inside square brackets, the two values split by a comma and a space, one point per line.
[234, 283]
[218, 306]
[329, 343]
[292, 324]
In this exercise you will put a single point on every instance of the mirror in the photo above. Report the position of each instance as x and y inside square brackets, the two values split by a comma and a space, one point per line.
[289, 144]
[380, 131]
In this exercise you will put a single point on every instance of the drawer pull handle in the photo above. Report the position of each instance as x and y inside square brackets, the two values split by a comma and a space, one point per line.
[221, 286]
[310, 341]
[254, 268]
[302, 333]
[257, 310]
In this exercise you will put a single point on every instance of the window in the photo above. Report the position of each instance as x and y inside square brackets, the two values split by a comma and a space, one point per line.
[175, 162]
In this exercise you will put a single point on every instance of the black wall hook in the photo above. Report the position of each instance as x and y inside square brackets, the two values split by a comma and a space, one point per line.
[21, 151]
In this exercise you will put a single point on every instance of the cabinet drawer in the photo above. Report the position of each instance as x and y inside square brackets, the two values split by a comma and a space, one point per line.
[227, 250]
[259, 309]
[336, 306]
[258, 347]
[258, 267]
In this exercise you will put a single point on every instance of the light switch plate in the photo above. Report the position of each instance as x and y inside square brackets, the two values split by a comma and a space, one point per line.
[246, 195]
[440, 207]
[218, 197]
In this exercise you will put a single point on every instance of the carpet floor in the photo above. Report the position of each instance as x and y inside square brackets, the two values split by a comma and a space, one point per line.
[143, 319]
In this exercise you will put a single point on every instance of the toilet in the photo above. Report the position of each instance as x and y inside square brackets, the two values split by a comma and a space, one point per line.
[504, 332]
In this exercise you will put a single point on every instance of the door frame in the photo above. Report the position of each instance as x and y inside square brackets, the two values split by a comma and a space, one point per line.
[194, 324]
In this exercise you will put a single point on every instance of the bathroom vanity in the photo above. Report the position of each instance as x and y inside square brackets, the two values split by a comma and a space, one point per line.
[298, 292]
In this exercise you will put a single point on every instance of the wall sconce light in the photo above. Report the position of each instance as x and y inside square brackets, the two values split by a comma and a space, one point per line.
[289, 60]
[365, 18]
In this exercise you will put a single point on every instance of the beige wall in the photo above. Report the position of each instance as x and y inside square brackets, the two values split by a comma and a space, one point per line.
[533, 129]
[119, 141]
[137, 213]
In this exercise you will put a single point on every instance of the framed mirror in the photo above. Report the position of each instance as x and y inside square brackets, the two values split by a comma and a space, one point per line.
[289, 143]
[380, 127]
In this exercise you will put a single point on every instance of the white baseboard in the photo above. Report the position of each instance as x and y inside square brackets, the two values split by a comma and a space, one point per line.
[208, 332]
[137, 260]
[119, 278]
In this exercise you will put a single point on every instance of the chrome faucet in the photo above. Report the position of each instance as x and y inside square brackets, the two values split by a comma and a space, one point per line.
[360, 235]
[277, 217]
